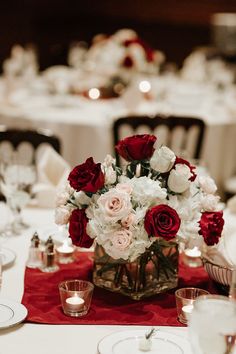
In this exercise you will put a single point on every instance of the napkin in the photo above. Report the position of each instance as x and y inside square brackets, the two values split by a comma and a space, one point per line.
[52, 172]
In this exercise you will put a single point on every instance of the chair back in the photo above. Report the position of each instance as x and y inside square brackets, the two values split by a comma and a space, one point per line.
[22, 146]
[184, 135]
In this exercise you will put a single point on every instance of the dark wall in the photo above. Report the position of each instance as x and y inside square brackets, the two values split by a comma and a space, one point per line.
[174, 26]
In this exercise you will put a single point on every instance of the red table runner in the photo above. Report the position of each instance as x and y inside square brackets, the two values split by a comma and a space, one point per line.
[41, 297]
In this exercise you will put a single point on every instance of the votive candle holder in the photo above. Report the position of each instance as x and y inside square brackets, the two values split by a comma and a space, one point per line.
[185, 298]
[76, 296]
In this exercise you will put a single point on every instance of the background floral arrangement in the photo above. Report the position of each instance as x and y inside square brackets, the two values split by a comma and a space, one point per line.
[158, 196]
[128, 51]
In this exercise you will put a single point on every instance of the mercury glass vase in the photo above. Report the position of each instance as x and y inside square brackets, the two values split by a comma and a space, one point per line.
[154, 272]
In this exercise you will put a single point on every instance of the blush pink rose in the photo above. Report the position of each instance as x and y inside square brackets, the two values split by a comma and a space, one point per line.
[121, 239]
[114, 205]
[128, 220]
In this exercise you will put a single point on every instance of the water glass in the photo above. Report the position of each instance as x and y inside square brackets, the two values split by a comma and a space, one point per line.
[212, 326]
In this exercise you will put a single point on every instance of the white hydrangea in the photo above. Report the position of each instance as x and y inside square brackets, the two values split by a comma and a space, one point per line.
[147, 191]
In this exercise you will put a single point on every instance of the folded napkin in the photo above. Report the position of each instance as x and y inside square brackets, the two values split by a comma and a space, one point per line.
[52, 172]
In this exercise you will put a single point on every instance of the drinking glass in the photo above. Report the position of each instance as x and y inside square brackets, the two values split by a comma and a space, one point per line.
[16, 183]
[212, 326]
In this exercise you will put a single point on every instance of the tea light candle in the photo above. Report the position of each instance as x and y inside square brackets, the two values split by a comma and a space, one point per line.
[74, 303]
[94, 93]
[65, 248]
[144, 86]
[187, 310]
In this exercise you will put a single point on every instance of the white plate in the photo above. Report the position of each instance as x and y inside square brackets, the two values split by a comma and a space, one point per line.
[127, 342]
[8, 256]
[11, 313]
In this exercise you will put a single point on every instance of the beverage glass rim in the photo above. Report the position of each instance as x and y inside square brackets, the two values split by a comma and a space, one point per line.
[201, 298]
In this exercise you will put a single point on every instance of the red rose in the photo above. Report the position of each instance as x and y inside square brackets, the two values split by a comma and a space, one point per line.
[136, 147]
[149, 52]
[128, 62]
[211, 226]
[87, 177]
[191, 167]
[162, 221]
[77, 229]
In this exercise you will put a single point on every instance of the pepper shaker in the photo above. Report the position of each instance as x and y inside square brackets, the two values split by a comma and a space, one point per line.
[49, 257]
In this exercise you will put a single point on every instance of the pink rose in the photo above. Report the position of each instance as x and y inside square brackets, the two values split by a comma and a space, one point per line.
[121, 239]
[114, 205]
[128, 220]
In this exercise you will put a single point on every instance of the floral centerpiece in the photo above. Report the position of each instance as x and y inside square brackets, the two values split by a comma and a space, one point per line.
[112, 61]
[137, 214]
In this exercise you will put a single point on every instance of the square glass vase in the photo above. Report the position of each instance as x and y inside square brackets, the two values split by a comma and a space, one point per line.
[154, 272]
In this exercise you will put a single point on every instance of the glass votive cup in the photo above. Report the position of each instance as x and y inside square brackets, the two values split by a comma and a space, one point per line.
[192, 257]
[185, 298]
[76, 296]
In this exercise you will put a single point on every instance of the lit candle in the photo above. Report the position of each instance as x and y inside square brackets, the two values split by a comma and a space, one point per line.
[74, 303]
[65, 248]
[94, 93]
[193, 252]
[186, 311]
[144, 86]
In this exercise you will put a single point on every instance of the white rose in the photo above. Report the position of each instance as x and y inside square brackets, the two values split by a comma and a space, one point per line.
[62, 198]
[146, 190]
[207, 184]
[62, 215]
[114, 205]
[210, 202]
[163, 159]
[81, 198]
[109, 161]
[124, 34]
[178, 180]
[110, 175]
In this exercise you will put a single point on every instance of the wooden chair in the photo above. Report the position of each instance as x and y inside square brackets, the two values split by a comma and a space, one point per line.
[184, 135]
[24, 144]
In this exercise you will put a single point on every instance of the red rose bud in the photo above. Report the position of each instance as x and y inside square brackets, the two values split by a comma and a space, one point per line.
[87, 177]
[128, 62]
[211, 226]
[137, 147]
[77, 229]
[162, 221]
[179, 160]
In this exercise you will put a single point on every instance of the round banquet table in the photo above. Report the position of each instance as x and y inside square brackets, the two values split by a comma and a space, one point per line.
[85, 126]
[26, 338]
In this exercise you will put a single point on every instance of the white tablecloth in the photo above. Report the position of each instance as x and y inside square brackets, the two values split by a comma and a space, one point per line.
[38, 338]
[84, 126]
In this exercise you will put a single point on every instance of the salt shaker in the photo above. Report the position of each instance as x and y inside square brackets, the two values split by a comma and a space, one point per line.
[35, 254]
[49, 257]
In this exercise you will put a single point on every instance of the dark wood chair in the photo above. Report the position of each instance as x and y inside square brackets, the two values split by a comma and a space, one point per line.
[13, 140]
[184, 135]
